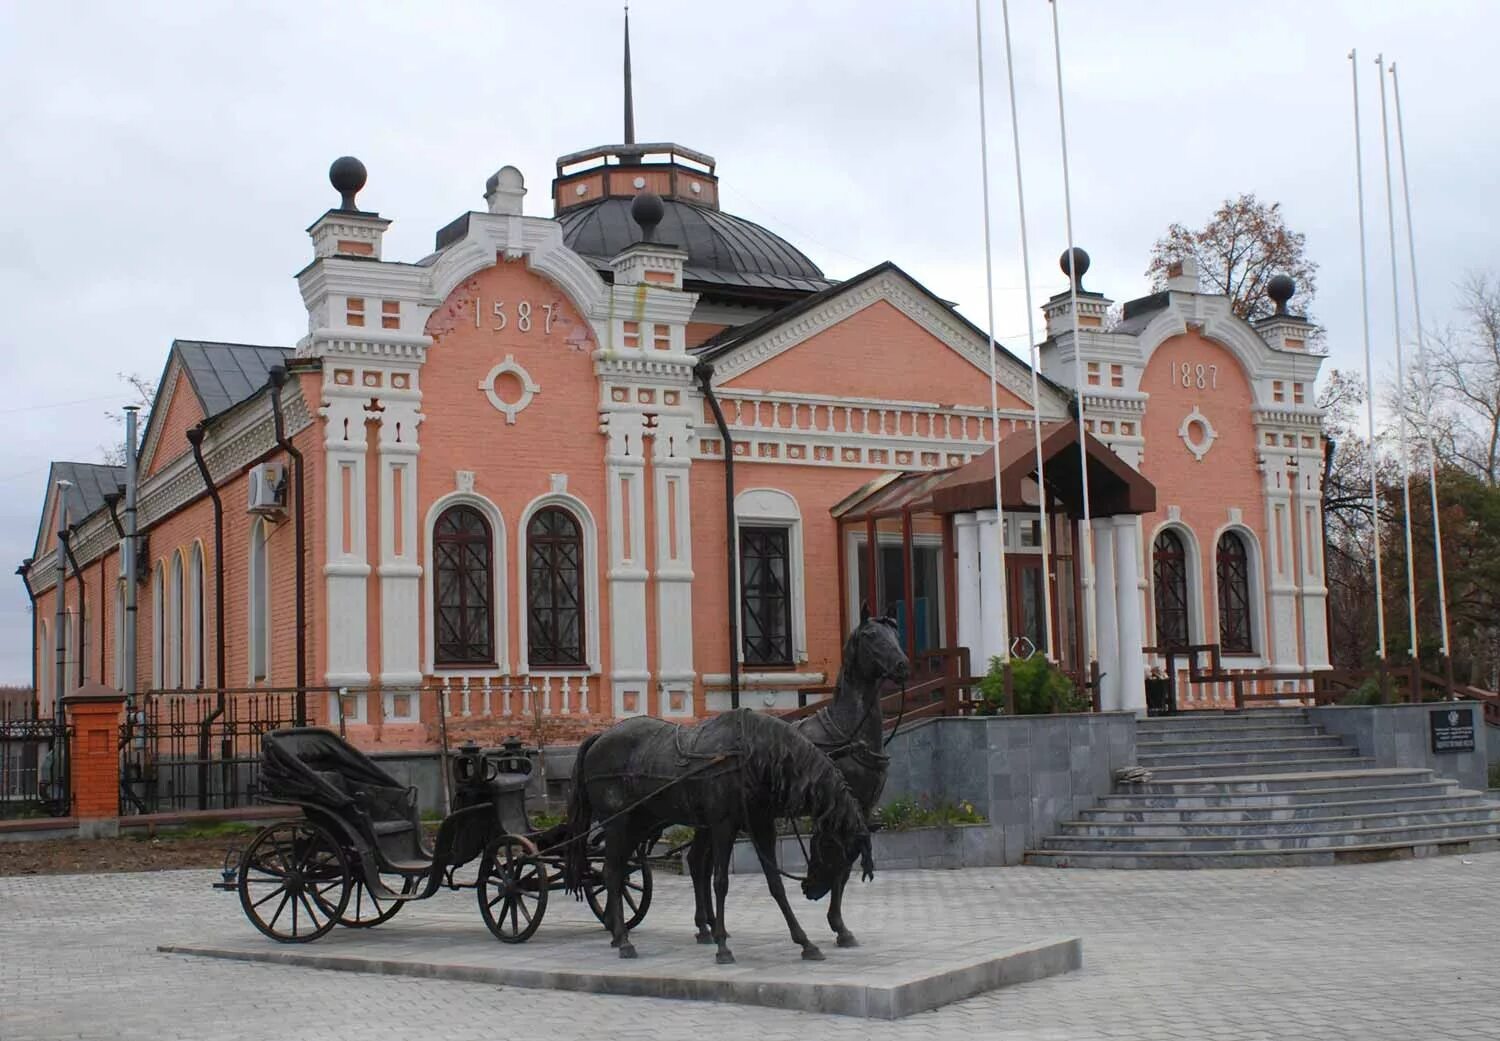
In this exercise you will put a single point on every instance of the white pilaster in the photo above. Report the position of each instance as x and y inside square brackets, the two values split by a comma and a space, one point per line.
[1132, 663]
[347, 570]
[1106, 607]
[993, 640]
[1314, 589]
[1281, 604]
[671, 459]
[625, 465]
[400, 571]
[966, 567]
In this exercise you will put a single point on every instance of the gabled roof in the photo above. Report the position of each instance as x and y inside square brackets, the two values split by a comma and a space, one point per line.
[222, 376]
[727, 340]
[225, 374]
[90, 482]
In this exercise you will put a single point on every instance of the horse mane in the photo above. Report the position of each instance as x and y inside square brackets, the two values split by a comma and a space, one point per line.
[797, 775]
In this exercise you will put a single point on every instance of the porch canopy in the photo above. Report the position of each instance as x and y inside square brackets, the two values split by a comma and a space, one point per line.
[1115, 487]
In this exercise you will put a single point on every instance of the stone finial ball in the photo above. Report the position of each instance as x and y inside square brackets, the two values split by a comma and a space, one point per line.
[1079, 261]
[347, 175]
[647, 209]
[1280, 289]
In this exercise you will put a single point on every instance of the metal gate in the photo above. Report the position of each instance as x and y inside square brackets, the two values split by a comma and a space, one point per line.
[199, 750]
[33, 765]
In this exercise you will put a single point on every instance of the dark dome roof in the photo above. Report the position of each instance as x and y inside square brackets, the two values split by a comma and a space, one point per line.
[721, 247]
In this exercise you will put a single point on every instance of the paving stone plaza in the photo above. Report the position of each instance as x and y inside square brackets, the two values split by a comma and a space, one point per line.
[1391, 950]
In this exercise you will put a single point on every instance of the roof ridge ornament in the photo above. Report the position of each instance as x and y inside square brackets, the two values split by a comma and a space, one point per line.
[629, 99]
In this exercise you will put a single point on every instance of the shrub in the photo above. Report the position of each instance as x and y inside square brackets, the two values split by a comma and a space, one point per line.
[1367, 693]
[905, 813]
[1495, 775]
[1040, 687]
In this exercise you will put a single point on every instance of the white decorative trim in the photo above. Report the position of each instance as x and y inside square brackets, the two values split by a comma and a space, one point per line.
[766, 679]
[1185, 431]
[591, 575]
[529, 388]
[498, 567]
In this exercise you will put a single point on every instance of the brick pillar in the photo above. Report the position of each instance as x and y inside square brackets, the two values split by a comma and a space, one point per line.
[94, 716]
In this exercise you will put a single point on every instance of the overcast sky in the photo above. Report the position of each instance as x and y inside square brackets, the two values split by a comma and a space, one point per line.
[160, 161]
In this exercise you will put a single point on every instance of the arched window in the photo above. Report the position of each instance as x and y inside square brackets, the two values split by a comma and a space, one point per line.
[463, 565]
[174, 624]
[554, 590]
[158, 626]
[1170, 579]
[1233, 562]
[260, 601]
[195, 626]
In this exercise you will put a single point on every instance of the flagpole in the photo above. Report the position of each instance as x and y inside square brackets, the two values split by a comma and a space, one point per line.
[989, 291]
[1416, 307]
[1036, 354]
[1090, 593]
[1364, 303]
[1390, 213]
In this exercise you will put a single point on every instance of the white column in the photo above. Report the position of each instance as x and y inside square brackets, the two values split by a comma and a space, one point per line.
[625, 466]
[1106, 607]
[1132, 663]
[399, 569]
[993, 641]
[1281, 604]
[347, 570]
[1313, 587]
[966, 568]
[671, 459]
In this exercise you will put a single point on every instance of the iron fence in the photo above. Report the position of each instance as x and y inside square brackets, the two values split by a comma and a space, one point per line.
[198, 750]
[33, 764]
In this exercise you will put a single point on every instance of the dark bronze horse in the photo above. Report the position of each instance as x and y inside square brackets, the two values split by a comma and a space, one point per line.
[739, 771]
[848, 729]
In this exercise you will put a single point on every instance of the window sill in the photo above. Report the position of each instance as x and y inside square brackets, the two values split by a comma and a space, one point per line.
[763, 678]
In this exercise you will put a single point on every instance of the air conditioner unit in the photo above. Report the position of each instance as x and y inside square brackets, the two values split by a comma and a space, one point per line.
[268, 489]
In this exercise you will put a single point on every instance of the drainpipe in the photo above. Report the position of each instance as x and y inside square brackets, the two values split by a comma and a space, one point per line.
[112, 500]
[60, 615]
[195, 438]
[130, 561]
[278, 378]
[205, 729]
[1329, 447]
[704, 373]
[66, 538]
[24, 571]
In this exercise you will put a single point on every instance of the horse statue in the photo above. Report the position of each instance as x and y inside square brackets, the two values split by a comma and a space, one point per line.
[847, 729]
[738, 771]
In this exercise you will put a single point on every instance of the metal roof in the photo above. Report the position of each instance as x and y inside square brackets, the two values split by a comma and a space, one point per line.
[225, 374]
[722, 249]
[91, 483]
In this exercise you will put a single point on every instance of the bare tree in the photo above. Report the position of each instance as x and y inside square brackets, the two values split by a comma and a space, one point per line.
[1463, 371]
[1244, 244]
[143, 394]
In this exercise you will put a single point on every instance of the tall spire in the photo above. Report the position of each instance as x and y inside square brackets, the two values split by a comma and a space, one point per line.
[629, 103]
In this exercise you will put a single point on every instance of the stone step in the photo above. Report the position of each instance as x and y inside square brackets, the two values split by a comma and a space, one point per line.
[1330, 822]
[1221, 743]
[1262, 808]
[1249, 757]
[1261, 858]
[1359, 776]
[1387, 836]
[1239, 769]
[1226, 719]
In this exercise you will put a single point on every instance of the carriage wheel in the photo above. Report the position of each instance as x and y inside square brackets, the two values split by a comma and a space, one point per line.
[366, 910]
[294, 881]
[636, 892]
[512, 889]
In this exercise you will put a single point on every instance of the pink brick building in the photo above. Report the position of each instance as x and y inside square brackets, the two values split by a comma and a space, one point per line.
[513, 484]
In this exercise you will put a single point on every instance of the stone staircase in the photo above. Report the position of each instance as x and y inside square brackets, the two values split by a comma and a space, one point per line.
[1266, 788]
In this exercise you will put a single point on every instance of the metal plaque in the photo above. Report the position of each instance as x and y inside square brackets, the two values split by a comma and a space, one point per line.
[1452, 729]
